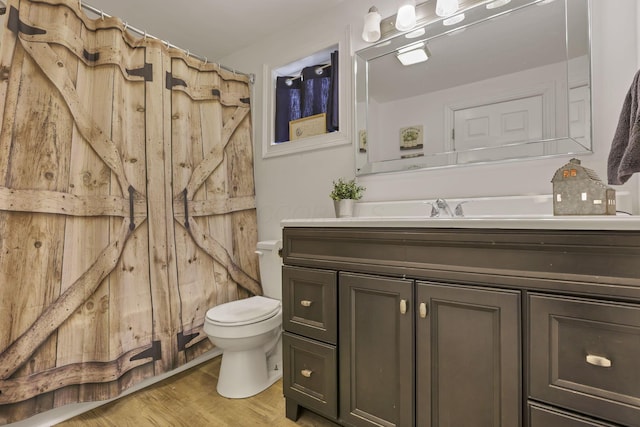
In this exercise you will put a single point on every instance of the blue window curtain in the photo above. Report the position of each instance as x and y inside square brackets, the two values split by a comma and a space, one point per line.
[288, 104]
[332, 107]
[314, 92]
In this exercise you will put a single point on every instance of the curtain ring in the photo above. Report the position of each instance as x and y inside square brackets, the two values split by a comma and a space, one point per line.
[126, 25]
[145, 35]
[205, 60]
[102, 14]
[188, 53]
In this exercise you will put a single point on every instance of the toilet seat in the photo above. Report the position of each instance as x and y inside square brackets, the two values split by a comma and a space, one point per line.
[243, 312]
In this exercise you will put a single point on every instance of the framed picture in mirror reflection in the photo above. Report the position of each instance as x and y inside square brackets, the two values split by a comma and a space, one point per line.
[411, 137]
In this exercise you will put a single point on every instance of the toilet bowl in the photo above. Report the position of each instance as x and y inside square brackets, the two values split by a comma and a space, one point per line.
[248, 332]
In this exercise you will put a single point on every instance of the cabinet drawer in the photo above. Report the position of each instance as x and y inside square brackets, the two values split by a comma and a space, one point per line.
[309, 302]
[310, 374]
[541, 416]
[584, 356]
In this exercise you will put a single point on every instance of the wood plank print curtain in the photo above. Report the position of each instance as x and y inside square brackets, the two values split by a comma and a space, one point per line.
[127, 205]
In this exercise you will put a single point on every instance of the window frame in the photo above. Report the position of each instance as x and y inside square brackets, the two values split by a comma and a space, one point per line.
[317, 142]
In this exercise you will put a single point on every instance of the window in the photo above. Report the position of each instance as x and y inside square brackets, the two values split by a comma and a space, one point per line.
[307, 107]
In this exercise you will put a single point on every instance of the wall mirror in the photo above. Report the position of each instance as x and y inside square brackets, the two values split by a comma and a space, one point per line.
[504, 80]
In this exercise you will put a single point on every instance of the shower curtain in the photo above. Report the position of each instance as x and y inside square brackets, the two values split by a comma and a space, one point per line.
[127, 205]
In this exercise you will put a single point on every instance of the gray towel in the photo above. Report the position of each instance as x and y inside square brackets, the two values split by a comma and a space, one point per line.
[624, 157]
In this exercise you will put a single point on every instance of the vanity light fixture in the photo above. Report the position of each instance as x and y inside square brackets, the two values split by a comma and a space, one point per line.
[446, 7]
[413, 54]
[371, 31]
[406, 17]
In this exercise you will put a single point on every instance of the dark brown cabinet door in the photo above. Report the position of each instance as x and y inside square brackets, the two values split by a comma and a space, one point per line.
[376, 350]
[468, 366]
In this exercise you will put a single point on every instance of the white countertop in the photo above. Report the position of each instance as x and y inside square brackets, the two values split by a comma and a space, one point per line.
[548, 222]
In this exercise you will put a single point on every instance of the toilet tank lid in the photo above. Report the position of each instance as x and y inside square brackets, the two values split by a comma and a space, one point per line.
[269, 245]
[244, 311]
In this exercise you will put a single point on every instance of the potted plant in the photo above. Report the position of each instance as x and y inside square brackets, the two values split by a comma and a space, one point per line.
[344, 195]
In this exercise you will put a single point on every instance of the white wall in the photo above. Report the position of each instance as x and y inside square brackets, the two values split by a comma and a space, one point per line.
[297, 186]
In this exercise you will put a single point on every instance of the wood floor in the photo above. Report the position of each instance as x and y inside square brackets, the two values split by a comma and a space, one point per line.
[189, 399]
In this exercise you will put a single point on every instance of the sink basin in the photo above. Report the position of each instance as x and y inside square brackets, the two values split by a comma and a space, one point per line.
[535, 205]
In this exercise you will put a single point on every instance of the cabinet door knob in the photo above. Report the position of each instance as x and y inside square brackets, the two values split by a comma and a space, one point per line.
[403, 306]
[601, 361]
[306, 373]
[423, 310]
[306, 303]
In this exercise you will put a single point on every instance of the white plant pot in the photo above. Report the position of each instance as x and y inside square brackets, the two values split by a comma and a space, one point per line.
[344, 208]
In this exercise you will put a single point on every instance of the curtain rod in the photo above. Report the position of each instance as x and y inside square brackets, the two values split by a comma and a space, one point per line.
[101, 13]
[299, 74]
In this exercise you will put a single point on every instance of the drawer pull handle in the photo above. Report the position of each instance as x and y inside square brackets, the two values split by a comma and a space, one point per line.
[598, 361]
[423, 310]
[306, 373]
[306, 303]
[403, 306]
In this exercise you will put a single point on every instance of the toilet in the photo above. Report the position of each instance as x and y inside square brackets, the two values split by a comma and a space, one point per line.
[248, 332]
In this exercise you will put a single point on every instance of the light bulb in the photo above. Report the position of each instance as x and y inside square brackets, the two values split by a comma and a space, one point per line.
[371, 31]
[446, 7]
[406, 16]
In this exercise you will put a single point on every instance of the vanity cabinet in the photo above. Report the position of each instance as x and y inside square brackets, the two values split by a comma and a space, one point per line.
[466, 346]
[459, 326]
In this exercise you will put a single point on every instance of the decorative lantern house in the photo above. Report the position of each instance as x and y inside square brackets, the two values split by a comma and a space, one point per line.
[578, 191]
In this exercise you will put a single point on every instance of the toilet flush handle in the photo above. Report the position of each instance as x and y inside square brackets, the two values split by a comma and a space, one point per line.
[260, 253]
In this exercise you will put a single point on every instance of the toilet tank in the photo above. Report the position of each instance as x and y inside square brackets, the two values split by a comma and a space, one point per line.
[270, 267]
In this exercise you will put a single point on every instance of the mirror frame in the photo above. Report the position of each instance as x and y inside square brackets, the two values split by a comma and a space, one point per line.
[393, 40]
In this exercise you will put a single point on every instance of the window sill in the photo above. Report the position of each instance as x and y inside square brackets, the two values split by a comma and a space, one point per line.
[311, 143]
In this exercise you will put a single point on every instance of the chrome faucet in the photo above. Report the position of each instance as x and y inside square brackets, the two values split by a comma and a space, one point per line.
[440, 206]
